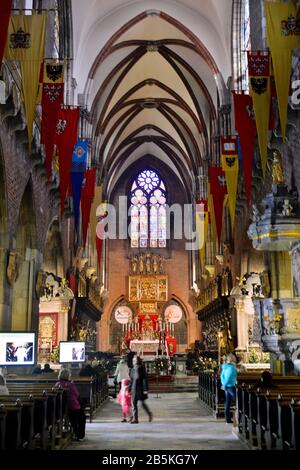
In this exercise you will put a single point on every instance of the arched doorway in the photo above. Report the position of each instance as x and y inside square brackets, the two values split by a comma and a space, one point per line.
[4, 240]
[24, 257]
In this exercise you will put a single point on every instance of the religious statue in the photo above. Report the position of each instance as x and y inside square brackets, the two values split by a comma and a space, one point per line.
[12, 271]
[287, 208]
[148, 331]
[148, 264]
[277, 170]
[83, 332]
[134, 263]
[141, 264]
[160, 264]
[155, 264]
[40, 283]
[255, 213]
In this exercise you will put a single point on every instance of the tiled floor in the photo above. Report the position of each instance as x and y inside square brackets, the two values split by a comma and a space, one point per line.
[180, 423]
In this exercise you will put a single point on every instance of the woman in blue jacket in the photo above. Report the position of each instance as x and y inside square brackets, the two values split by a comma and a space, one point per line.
[228, 381]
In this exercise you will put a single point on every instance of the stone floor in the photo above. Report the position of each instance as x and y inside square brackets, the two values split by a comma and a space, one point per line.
[180, 423]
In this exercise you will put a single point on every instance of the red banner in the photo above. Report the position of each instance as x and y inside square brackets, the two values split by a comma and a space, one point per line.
[218, 191]
[229, 145]
[202, 204]
[259, 63]
[5, 9]
[87, 197]
[246, 128]
[52, 78]
[52, 99]
[65, 139]
[260, 91]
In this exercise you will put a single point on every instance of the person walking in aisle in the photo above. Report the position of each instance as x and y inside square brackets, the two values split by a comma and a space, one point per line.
[139, 389]
[124, 399]
[122, 371]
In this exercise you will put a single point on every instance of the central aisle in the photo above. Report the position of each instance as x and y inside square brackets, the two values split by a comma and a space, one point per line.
[180, 423]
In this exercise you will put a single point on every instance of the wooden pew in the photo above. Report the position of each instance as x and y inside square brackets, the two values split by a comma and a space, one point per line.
[295, 414]
[55, 411]
[87, 387]
[259, 413]
[42, 416]
[27, 418]
[93, 392]
[87, 391]
[280, 431]
[12, 426]
[3, 414]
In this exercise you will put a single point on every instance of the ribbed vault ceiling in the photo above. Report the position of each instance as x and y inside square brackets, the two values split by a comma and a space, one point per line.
[152, 87]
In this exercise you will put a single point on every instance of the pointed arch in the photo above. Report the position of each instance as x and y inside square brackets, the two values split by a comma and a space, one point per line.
[26, 244]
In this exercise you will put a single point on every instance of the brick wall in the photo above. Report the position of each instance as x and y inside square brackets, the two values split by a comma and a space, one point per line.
[118, 271]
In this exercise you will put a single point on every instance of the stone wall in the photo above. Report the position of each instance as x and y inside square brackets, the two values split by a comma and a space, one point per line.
[25, 186]
[177, 264]
[118, 271]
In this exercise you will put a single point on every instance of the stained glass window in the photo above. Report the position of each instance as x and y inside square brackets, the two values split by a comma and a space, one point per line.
[241, 43]
[148, 211]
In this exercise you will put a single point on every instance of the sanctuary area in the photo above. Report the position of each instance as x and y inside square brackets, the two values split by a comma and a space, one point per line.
[149, 224]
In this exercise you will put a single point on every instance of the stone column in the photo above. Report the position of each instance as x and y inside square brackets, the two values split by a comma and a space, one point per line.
[4, 289]
[281, 275]
[24, 300]
[242, 324]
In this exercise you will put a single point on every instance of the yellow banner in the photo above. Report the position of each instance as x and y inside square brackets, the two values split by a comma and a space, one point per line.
[283, 35]
[26, 43]
[230, 166]
[93, 216]
[53, 72]
[260, 90]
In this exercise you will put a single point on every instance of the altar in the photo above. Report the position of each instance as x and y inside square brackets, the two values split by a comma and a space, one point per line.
[142, 347]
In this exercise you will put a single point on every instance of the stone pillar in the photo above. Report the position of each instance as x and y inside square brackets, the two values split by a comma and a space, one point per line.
[4, 291]
[242, 324]
[281, 275]
[20, 298]
[24, 300]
